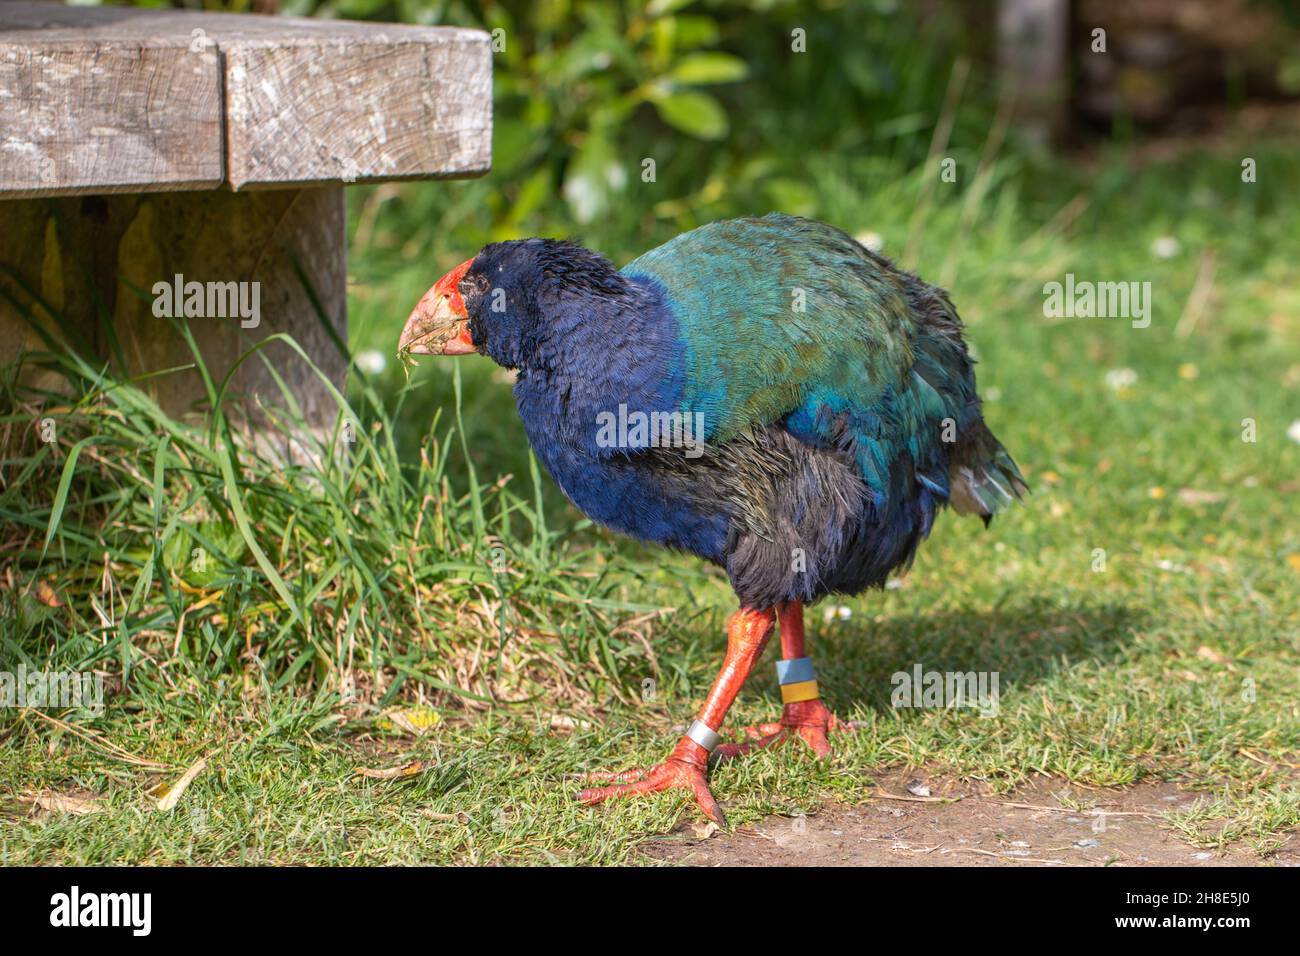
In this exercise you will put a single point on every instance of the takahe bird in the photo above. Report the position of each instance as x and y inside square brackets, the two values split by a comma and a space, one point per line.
[819, 405]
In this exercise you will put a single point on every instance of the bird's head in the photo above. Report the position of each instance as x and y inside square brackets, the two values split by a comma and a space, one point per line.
[510, 300]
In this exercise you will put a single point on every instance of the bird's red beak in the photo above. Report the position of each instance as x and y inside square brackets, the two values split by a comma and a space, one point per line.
[439, 325]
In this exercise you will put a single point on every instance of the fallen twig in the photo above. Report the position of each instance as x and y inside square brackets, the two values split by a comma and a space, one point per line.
[1014, 859]
[898, 796]
[1095, 813]
[96, 740]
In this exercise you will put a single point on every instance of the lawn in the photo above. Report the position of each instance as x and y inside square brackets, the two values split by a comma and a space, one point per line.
[411, 607]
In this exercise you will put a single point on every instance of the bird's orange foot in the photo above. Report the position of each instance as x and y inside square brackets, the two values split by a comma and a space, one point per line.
[809, 720]
[685, 768]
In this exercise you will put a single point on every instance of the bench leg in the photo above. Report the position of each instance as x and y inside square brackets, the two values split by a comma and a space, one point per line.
[92, 255]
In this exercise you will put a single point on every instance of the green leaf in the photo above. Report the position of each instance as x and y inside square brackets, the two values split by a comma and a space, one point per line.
[175, 549]
[696, 114]
[593, 177]
[709, 68]
[657, 8]
[220, 539]
[536, 190]
[692, 32]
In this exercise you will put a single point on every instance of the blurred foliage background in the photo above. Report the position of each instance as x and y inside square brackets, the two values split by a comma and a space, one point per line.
[734, 100]
[711, 91]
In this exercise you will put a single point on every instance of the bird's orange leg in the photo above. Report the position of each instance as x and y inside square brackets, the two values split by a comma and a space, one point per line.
[747, 634]
[807, 718]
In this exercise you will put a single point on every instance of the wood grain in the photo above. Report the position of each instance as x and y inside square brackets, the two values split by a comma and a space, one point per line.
[358, 108]
[109, 99]
[108, 117]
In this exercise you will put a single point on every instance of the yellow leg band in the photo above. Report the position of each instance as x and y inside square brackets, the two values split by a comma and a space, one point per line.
[794, 693]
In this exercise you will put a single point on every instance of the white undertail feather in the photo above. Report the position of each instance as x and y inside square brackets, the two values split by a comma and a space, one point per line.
[986, 489]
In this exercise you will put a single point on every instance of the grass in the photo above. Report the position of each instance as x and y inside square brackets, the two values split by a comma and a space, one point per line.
[490, 613]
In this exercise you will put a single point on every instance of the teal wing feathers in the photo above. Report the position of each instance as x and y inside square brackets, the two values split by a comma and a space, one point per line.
[786, 320]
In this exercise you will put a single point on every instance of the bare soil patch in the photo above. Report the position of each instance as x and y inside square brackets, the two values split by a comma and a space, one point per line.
[1030, 827]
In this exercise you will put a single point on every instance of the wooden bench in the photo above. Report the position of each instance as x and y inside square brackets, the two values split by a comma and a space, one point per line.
[139, 146]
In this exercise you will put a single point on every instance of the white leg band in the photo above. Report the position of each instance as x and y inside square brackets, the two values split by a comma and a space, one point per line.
[703, 734]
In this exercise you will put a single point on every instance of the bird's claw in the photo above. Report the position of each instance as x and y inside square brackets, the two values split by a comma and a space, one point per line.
[683, 769]
[809, 720]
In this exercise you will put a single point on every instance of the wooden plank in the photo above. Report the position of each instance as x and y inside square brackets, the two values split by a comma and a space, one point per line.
[56, 21]
[109, 117]
[355, 109]
[307, 101]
